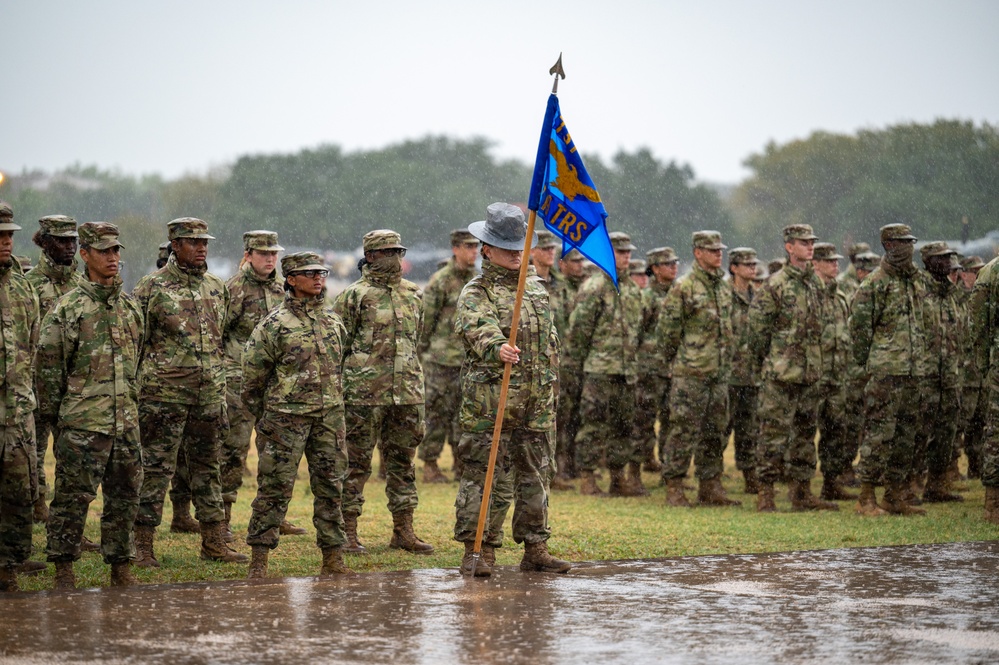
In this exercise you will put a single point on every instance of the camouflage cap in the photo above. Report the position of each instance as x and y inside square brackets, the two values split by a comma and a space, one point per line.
[188, 227]
[897, 232]
[776, 265]
[825, 251]
[503, 227]
[798, 232]
[661, 255]
[262, 241]
[636, 267]
[573, 255]
[299, 261]
[58, 226]
[762, 274]
[972, 263]
[24, 261]
[546, 239]
[707, 240]
[858, 248]
[462, 236]
[744, 255]
[164, 251]
[99, 235]
[621, 241]
[7, 218]
[935, 248]
[382, 239]
[867, 261]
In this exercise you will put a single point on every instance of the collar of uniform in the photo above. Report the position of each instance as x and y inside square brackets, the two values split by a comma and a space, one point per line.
[182, 272]
[714, 275]
[58, 274]
[305, 306]
[252, 275]
[498, 273]
[105, 293]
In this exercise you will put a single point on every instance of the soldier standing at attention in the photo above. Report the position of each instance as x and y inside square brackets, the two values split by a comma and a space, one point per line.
[441, 353]
[849, 280]
[786, 322]
[383, 386]
[292, 386]
[182, 389]
[18, 477]
[55, 275]
[88, 382]
[603, 341]
[744, 383]
[637, 270]
[484, 316]
[984, 323]
[972, 422]
[569, 377]
[886, 324]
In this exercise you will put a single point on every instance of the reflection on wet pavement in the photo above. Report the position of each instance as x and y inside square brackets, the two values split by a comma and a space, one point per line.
[912, 604]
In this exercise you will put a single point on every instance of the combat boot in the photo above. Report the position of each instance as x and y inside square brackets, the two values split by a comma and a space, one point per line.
[489, 553]
[483, 568]
[991, 505]
[800, 494]
[674, 493]
[258, 562]
[588, 485]
[65, 578]
[333, 563]
[619, 485]
[432, 473]
[562, 483]
[867, 504]
[849, 478]
[936, 490]
[31, 567]
[40, 511]
[765, 498]
[403, 536]
[182, 521]
[87, 545]
[894, 501]
[353, 545]
[214, 548]
[144, 557]
[711, 493]
[537, 559]
[750, 483]
[226, 523]
[635, 479]
[121, 575]
[833, 491]
[651, 464]
[8, 579]
[289, 529]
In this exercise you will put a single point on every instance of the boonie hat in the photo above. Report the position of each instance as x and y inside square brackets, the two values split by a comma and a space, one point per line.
[503, 227]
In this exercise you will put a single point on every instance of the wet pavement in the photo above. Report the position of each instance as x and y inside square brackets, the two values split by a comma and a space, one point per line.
[911, 604]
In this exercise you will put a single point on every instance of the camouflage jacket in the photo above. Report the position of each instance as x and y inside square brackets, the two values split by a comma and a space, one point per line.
[943, 321]
[786, 327]
[438, 342]
[182, 353]
[650, 361]
[743, 365]
[971, 375]
[88, 359]
[983, 320]
[250, 299]
[848, 281]
[485, 312]
[292, 361]
[695, 328]
[603, 328]
[52, 282]
[383, 320]
[837, 358]
[557, 295]
[886, 323]
[19, 329]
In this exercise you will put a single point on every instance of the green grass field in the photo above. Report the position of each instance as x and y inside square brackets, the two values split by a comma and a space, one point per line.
[583, 528]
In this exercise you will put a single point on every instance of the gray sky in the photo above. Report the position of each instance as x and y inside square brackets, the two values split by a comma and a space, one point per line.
[180, 86]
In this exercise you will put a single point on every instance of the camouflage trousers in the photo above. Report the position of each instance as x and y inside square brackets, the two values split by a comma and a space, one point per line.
[698, 417]
[835, 450]
[606, 412]
[443, 399]
[971, 426]
[651, 404]
[521, 477]
[282, 439]
[397, 430]
[891, 417]
[569, 387]
[194, 433]
[990, 445]
[18, 488]
[788, 420]
[855, 416]
[744, 424]
[236, 446]
[84, 461]
[43, 428]
[939, 411]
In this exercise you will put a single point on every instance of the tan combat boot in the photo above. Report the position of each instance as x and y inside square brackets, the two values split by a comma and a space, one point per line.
[333, 563]
[353, 545]
[936, 490]
[144, 557]
[674, 493]
[588, 485]
[8, 579]
[635, 479]
[483, 568]
[182, 521]
[537, 559]
[121, 574]
[750, 482]
[651, 464]
[894, 501]
[40, 511]
[258, 562]
[214, 548]
[619, 484]
[289, 529]
[65, 578]
[991, 505]
[710, 492]
[867, 504]
[227, 523]
[765, 498]
[31, 568]
[800, 494]
[403, 536]
[833, 491]
[432, 473]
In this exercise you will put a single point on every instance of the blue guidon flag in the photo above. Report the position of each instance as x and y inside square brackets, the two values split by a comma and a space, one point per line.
[565, 197]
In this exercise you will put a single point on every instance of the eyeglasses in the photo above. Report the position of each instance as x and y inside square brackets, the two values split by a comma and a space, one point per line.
[312, 273]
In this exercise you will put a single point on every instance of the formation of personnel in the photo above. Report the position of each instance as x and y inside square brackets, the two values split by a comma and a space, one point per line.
[163, 388]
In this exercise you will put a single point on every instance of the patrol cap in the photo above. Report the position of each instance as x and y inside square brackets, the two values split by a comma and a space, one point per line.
[798, 232]
[164, 251]
[661, 255]
[59, 226]
[263, 241]
[762, 274]
[621, 241]
[503, 227]
[299, 261]
[24, 262]
[707, 240]
[573, 255]
[99, 235]
[188, 227]
[897, 232]
[857, 248]
[462, 236]
[636, 267]
[825, 251]
[775, 266]
[972, 262]
[935, 248]
[382, 239]
[743, 255]
[867, 261]
[7, 218]
[546, 239]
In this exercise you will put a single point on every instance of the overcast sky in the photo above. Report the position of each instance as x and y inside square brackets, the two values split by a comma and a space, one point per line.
[175, 87]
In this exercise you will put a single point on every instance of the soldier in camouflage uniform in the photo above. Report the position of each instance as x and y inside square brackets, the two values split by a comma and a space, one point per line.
[383, 386]
[569, 377]
[849, 280]
[695, 337]
[55, 275]
[637, 271]
[182, 389]
[787, 325]
[889, 342]
[971, 424]
[164, 255]
[18, 476]
[483, 320]
[292, 386]
[983, 313]
[603, 340]
[441, 353]
[88, 358]
[744, 383]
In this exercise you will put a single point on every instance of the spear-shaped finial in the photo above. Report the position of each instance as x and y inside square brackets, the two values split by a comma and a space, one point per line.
[557, 71]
